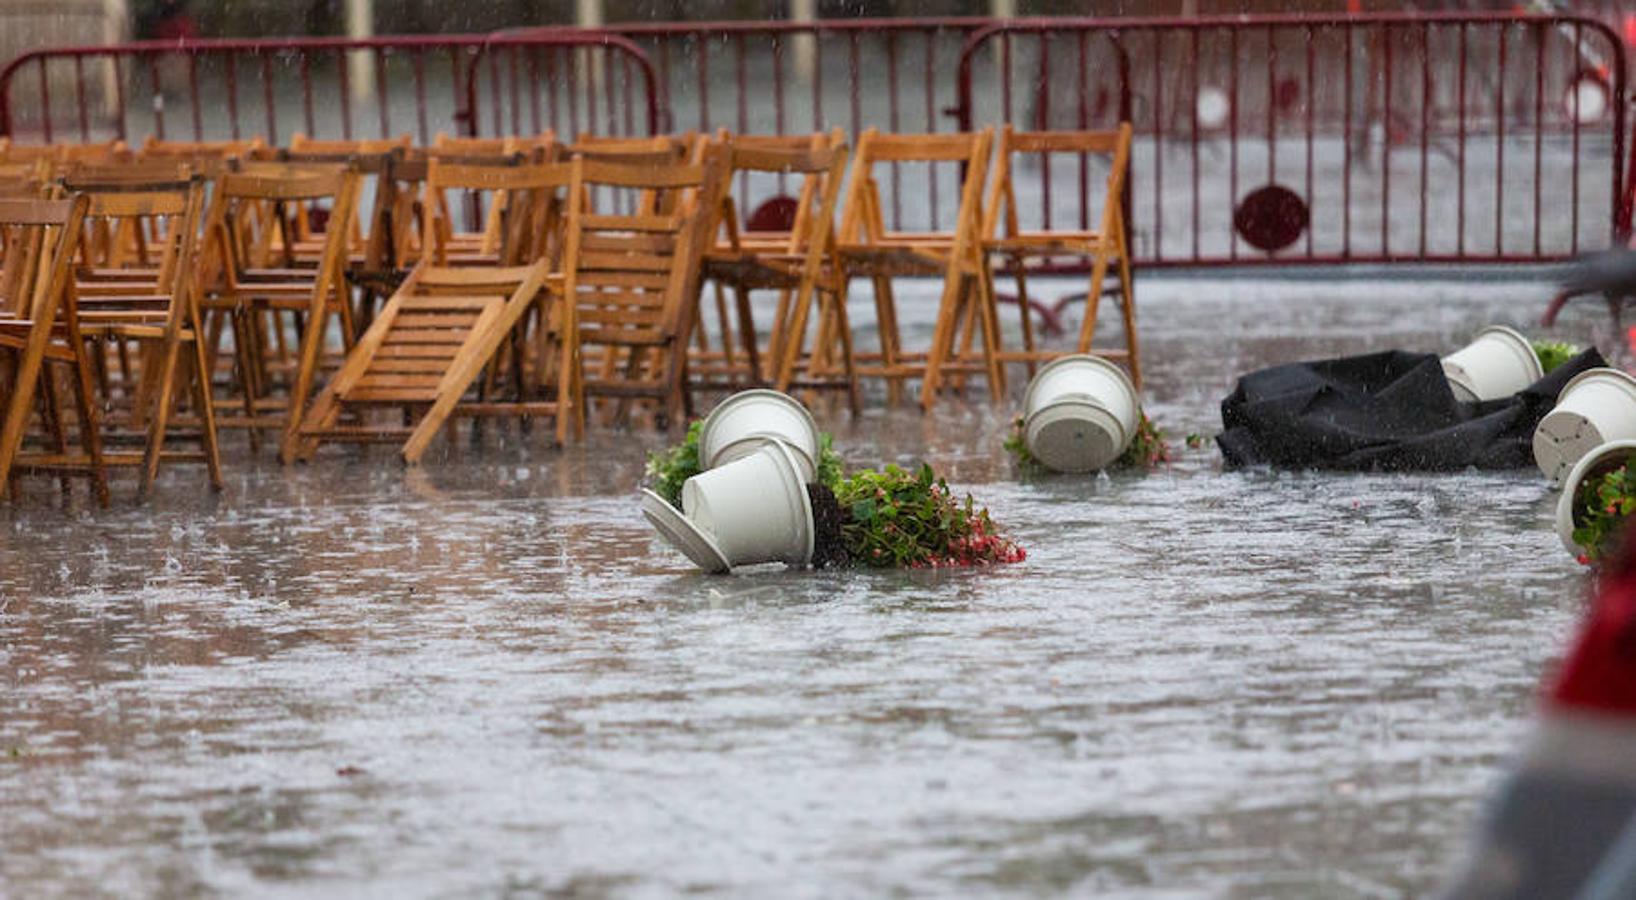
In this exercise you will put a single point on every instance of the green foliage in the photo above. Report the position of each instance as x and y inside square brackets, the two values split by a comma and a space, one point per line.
[898, 518]
[1603, 503]
[1018, 448]
[1554, 353]
[1148, 449]
[831, 468]
[668, 469]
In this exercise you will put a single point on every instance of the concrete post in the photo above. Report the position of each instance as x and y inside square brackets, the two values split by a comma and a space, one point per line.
[805, 46]
[588, 13]
[360, 64]
[1002, 9]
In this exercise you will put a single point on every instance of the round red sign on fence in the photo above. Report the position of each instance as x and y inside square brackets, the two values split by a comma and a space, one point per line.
[1271, 218]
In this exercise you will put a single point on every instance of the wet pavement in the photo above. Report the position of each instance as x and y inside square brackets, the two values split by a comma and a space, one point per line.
[487, 676]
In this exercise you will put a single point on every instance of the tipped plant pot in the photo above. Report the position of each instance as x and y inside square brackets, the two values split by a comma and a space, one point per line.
[1598, 406]
[749, 420]
[754, 509]
[1498, 363]
[1596, 463]
[1079, 414]
[682, 534]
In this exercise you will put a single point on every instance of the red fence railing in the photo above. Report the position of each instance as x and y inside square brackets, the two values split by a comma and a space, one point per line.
[1469, 138]
[1475, 137]
[327, 87]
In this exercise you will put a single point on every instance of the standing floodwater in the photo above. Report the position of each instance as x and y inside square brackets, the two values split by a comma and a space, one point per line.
[487, 675]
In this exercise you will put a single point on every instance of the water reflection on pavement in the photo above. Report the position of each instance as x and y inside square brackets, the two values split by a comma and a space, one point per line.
[486, 675]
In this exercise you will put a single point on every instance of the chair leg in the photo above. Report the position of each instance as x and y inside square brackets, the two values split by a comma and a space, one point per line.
[886, 323]
[51, 417]
[25, 377]
[989, 309]
[788, 345]
[747, 338]
[207, 413]
[1023, 313]
[245, 350]
[161, 415]
[1127, 291]
[844, 329]
[1093, 302]
[90, 435]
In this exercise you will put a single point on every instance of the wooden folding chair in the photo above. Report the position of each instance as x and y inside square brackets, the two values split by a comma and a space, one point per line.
[869, 248]
[423, 354]
[155, 148]
[657, 150]
[62, 152]
[1105, 246]
[159, 311]
[256, 298]
[370, 158]
[511, 197]
[445, 144]
[41, 326]
[631, 281]
[799, 263]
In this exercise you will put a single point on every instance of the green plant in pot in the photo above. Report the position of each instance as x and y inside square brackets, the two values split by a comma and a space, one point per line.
[1554, 353]
[669, 468]
[1604, 502]
[1148, 449]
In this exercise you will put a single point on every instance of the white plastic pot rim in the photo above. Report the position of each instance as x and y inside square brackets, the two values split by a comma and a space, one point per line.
[1606, 456]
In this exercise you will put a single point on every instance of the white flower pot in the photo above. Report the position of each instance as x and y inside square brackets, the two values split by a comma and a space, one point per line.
[1079, 414]
[1596, 407]
[755, 509]
[1498, 363]
[682, 534]
[748, 420]
[1598, 462]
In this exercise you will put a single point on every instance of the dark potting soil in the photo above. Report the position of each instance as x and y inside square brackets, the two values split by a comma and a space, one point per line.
[828, 550]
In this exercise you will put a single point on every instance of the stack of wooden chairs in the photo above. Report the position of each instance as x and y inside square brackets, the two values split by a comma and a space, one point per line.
[373, 291]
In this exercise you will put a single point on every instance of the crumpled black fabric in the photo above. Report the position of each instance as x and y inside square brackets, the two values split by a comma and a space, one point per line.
[1391, 411]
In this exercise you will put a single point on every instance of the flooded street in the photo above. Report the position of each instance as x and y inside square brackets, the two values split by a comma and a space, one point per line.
[488, 676]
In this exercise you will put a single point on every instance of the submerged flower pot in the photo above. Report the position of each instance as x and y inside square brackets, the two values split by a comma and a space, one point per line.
[749, 420]
[1080, 413]
[751, 510]
[1498, 363]
[1596, 407]
[1596, 463]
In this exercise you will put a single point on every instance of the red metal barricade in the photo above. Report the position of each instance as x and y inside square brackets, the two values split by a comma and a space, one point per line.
[1296, 139]
[1468, 137]
[326, 87]
[786, 77]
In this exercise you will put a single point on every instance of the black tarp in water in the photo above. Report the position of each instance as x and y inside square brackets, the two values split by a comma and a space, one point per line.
[1382, 411]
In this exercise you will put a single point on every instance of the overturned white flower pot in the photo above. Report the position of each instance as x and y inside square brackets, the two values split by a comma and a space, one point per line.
[1596, 407]
[1080, 413]
[749, 420]
[751, 510]
[1498, 363]
[1594, 464]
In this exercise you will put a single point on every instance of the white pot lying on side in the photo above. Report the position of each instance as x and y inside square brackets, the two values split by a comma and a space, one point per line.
[751, 510]
[748, 420]
[1080, 413]
[1596, 407]
[1596, 463]
[1498, 363]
